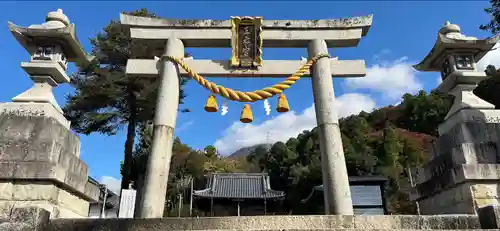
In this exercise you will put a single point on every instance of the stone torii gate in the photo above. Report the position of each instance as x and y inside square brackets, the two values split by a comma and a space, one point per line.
[317, 35]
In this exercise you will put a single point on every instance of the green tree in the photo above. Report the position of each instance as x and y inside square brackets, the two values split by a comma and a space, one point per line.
[105, 98]
[141, 153]
[494, 11]
[258, 158]
[355, 126]
[178, 164]
[356, 131]
[423, 112]
[389, 152]
[488, 88]
[210, 151]
[412, 154]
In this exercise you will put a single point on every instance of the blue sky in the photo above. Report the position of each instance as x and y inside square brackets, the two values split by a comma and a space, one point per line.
[402, 33]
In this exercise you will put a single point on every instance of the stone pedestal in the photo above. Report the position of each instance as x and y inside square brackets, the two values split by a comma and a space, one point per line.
[464, 174]
[27, 218]
[40, 164]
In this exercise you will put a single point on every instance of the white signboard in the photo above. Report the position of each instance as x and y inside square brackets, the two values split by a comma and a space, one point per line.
[127, 203]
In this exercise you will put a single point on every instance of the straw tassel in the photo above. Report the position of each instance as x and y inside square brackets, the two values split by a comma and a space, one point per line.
[282, 104]
[246, 114]
[211, 105]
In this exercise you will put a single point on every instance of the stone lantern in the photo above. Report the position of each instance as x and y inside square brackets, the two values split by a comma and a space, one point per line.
[51, 46]
[455, 55]
[462, 175]
[39, 154]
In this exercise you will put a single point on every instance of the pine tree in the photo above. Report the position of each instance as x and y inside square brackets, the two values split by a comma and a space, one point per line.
[494, 11]
[488, 88]
[105, 98]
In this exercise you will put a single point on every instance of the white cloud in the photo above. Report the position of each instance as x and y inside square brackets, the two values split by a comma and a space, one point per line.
[287, 125]
[381, 54]
[491, 58]
[184, 126]
[391, 79]
[112, 183]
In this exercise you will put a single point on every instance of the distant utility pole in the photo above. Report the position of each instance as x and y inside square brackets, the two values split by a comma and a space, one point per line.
[103, 211]
[191, 199]
[179, 209]
[411, 183]
[268, 140]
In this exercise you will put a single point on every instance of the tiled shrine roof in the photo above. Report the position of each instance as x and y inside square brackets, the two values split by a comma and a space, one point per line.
[239, 186]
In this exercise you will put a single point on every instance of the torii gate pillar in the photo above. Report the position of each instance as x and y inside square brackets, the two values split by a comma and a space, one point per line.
[336, 189]
[155, 183]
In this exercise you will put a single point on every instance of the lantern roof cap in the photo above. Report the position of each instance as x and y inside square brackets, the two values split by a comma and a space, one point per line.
[57, 29]
[451, 40]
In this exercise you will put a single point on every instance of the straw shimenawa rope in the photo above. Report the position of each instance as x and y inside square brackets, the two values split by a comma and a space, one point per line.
[253, 96]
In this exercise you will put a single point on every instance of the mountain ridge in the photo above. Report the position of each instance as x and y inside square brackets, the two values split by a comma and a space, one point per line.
[245, 151]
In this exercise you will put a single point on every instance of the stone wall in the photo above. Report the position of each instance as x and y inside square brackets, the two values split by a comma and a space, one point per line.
[461, 190]
[40, 166]
[464, 174]
[37, 219]
[270, 223]
[463, 198]
[45, 194]
[24, 219]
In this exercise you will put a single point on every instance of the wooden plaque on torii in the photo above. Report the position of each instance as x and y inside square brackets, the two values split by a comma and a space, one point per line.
[246, 42]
